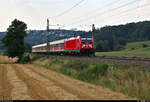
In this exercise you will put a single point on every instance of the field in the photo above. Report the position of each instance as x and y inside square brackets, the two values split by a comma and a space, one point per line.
[59, 78]
[136, 49]
[128, 80]
[34, 82]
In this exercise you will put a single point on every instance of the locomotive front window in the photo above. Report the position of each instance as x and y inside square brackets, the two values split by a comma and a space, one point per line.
[83, 41]
[86, 40]
[89, 41]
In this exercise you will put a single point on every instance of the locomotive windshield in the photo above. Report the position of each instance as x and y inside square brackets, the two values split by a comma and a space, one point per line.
[86, 40]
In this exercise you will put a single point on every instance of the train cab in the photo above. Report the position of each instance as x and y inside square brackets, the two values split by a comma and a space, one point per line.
[87, 45]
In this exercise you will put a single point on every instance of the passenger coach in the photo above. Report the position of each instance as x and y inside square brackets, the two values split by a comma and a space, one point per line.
[73, 45]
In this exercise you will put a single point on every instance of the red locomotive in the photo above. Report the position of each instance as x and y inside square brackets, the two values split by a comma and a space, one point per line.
[74, 45]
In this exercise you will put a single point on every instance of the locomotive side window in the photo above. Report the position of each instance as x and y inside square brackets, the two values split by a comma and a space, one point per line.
[61, 45]
[51, 46]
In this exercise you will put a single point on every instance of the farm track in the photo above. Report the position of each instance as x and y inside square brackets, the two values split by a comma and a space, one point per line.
[5, 87]
[31, 82]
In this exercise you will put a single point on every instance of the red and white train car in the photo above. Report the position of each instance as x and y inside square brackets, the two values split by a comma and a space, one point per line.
[73, 45]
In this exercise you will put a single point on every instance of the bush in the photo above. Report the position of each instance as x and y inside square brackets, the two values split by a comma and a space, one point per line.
[128, 80]
[76, 65]
[25, 59]
[35, 57]
[145, 45]
[102, 69]
[93, 73]
[84, 76]
[132, 48]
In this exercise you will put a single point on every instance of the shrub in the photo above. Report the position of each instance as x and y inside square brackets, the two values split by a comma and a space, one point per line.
[25, 59]
[110, 84]
[101, 68]
[76, 65]
[128, 80]
[35, 57]
[93, 73]
[145, 45]
[132, 48]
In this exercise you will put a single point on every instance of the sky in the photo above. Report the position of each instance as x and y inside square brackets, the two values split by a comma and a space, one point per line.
[99, 12]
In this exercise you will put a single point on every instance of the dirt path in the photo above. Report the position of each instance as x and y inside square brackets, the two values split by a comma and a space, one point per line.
[31, 82]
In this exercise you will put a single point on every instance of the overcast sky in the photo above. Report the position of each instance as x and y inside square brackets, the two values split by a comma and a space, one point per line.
[35, 12]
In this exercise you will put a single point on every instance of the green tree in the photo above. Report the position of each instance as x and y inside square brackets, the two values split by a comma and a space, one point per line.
[99, 47]
[14, 39]
[28, 48]
[102, 46]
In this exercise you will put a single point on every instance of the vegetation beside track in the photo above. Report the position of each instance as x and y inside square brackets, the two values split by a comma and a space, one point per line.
[135, 49]
[131, 81]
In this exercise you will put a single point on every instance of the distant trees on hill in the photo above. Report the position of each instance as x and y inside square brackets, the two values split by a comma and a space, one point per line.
[108, 38]
[113, 38]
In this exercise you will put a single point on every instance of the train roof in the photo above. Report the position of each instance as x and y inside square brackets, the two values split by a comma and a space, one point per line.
[39, 45]
[56, 42]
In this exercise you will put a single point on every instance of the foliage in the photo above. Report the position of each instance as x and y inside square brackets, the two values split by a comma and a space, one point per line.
[145, 45]
[35, 57]
[25, 59]
[128, 80]
[118, 36]
[134, 49]
[130, 32]
[28, 47]
[14, 39]
[93, 73]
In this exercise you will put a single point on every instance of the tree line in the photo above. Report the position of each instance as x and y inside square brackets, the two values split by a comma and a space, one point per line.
[114, 38]
[108, 38]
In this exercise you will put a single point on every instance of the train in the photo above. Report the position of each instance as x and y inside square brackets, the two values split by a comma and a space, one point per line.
[70, 46]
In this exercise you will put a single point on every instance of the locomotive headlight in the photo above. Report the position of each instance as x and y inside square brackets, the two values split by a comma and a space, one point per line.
[90, 46]
[83, 46]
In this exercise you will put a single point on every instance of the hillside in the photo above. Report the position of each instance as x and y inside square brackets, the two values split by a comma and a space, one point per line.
[2, 34]
[39, 36]
[136, 49]
[110, 38]
[131, 32]
[114, 38]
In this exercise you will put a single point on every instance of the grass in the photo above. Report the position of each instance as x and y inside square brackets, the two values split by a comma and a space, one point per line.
[128, 80]
[135, 49]
[35, 57]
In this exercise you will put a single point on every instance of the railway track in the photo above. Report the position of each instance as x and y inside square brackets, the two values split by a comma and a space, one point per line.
[125, 58]
[143, 63]
[109, 57]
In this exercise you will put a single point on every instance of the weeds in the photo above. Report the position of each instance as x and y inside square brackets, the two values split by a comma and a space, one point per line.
[128, 80]
[35, 57]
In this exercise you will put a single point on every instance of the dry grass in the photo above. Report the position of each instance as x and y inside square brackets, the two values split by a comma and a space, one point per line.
[19, 88]
[5, 59]
[128, 80]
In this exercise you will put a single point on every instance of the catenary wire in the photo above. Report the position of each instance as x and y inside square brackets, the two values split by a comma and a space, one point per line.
[102, 13]
[68, 10]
